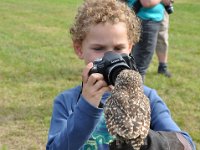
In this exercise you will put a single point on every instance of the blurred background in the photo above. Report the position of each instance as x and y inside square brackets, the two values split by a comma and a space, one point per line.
[37, 62]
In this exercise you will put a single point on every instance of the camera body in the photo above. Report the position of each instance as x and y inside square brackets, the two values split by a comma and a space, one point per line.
[111, 64]
[169, 9]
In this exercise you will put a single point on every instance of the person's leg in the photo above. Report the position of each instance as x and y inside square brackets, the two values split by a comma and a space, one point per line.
[143, 51]
[162, 47]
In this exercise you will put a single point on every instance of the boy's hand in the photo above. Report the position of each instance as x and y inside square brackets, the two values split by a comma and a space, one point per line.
[94, 86]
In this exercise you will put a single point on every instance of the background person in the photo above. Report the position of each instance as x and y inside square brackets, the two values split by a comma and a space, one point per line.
[162, 46]
[151, 14]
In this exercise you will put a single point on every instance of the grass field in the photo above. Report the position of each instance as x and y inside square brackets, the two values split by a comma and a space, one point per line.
[37, 62]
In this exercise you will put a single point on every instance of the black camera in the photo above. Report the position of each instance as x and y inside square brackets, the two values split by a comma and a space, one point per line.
[111, 65]
[169, 9]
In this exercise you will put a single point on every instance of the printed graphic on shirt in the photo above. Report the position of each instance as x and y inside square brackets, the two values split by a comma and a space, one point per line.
[99, 137]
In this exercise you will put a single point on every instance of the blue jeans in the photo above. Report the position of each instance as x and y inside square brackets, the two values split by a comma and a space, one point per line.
[143, 51]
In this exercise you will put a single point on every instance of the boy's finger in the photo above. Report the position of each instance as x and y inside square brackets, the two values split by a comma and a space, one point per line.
[95, 77]
[86, 71]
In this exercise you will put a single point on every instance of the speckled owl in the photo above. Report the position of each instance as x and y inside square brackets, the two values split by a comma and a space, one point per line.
[127, 110]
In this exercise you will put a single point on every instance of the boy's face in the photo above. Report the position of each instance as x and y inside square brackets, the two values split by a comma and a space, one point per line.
[102, 38]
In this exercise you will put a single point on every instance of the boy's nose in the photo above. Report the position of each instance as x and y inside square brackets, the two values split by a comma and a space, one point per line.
[110, 50]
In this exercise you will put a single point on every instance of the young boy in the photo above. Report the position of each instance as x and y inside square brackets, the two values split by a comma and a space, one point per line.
[77, 119]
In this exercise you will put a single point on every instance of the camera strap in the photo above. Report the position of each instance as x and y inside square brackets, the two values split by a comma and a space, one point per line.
[132, 63]
[79, 95]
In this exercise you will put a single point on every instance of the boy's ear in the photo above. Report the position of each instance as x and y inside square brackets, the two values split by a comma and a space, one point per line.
[78, 49]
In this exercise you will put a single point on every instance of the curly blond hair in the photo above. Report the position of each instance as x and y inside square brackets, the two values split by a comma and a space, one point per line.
[93, 12]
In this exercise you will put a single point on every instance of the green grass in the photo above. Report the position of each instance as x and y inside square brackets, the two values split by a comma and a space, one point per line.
[37, 62]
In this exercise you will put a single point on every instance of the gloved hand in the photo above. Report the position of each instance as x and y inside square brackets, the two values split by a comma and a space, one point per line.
[160, 140]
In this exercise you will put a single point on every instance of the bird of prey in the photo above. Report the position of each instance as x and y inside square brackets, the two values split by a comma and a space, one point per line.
[127, 110]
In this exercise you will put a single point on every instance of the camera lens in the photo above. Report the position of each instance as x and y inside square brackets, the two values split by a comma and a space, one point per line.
[114, 71]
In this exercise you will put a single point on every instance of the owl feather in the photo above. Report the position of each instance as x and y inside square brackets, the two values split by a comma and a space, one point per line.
[127, 110]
